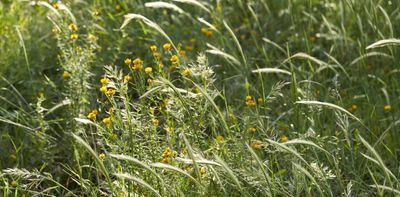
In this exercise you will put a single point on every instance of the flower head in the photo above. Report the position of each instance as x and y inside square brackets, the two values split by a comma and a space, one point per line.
[137, 64]
[252, 130]
[107, 121]
[167, 46]
[153, 48]
[103, 89]
[73, 27]
[66, 75]
[387, 107]
[250, 101]
[220, 138]
[127, 78]
[157, 56]
[93, 114]
[128, 61]
[104, 81]
[174, 58]
[110, 92]
[257, 145]
[284, 138]
[148, 70]
[187, 72]
[102, 156]
[56, 6]
[74, 36]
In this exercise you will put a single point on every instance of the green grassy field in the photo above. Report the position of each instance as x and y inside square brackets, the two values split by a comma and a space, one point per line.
[200, 98]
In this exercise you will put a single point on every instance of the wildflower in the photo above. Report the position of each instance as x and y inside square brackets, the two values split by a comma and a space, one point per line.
[166, 153]
[252, 130]
[41, 94]
[66, 75]
[102, 156]
[186, 72]
[110, 92]
[56, 6]
[153, 48]
[92, 38]
[157, 56]
[173, 67]
[103, 89]
[352, 108]
[137, 64]
[93, 114]
[260, 100]
[104, 81]
[167, 46]
[111, 110]
[250, 102]
[13, 157]
[189, 48]
[107, 121]
[128, 61]
[55, 30]
[74, 36]
[14, 183]
[73, 27]
[257, 145]
[206, 32]
[182, 53]
[220, 138]
[160, 66]
[149, 81]
[127, 78]
[148, 70]
[155, 122]
[174, 58]
[284, 138]
[165, 160]
[118, 7]
[387, 107]
[202, 170]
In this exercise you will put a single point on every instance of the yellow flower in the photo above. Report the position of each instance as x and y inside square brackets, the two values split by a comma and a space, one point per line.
[260, 100]
[174, 58]
[220, 138]
[74, 36]
[107, 121]
[173, 67]
[252, 130]
[206, 32]
[157, 56]
[128, 61]
[149, 81]
[155, 122]
[187, 72]
[127, 78]
[104, 81]
[250, 102]
[284, 138]
[102, 156]
[13, 157]
[66, 75]
[103, 89]
[165, 160]
[148, 70]
[257, 145]
[202, 170]
[55, 30]
[111, 110]
[182, 53]
[153, 48]
[167, 46]
[14, 183]
[166, 153]
[387, 107]
[110, 92]
[160, 66]
[137, 64]
[73, 27]
[92, 115]
[56, 6]
[92, 37]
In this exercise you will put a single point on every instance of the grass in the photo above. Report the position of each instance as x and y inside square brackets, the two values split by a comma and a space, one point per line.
[199, 98]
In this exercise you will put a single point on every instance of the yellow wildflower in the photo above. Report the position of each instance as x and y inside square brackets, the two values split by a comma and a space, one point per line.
[155, 122]
[173, 67]
[202, 170]
[167, 152]
[73, 27]
[167, 46]
[260, 100]
[252, 130]
[92, 38]
[137, 64]
[56, 6]
[107, 121]
[187, 72]
[102, 156]
[257, 145]
[14, 183]
[110, 92]
[149, 81]
[13, 157]
[153, 48]
[157, 56]
[220, 138]
[284, 138]
[103, 89]
[66, 75]
[165, 160]
[93, 114]
[127, 78]
[387, 107]
[182, 53]
[74, 36]
[250, 102]
[174, 58]
[104, 81]
[148, 70]
[128, 61]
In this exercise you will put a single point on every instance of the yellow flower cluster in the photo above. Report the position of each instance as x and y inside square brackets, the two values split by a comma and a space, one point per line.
[137, 64]
[205, 31]
[167, 154]
[93, 114]
[107, 121]
[257, 145]
[252, 130]
[284, 138]
[250, 101]
[73, 27]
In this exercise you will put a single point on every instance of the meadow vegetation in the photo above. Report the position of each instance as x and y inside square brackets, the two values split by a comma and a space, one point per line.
[200, 98]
